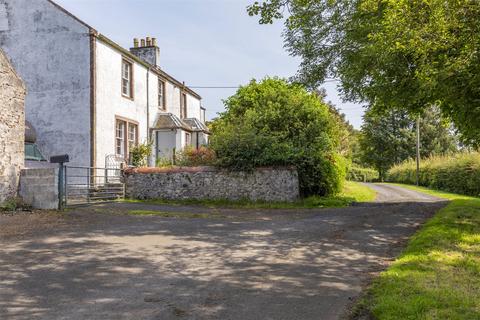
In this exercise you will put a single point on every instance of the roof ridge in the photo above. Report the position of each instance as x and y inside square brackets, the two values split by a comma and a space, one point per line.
[101, 36]
[70, 14]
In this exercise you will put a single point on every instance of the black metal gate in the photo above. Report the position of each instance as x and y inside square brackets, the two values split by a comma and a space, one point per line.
[85, 185]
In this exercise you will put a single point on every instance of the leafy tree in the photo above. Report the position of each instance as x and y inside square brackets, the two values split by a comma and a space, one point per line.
[343, 129]
[386, 139]
[389, 138]
[272, 123]
[391, 54]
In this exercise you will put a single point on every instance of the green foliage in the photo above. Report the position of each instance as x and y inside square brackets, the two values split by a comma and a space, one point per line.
[438, 275]
[394, 54]
[386, 139]
[389, 137]
[360, 174]
[342, 128]
[273, 123]
[139, 154]
[192, 157]
[458, 173]
[164, 162]
[9, 205]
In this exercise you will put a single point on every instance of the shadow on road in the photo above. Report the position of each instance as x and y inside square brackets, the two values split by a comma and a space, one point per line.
[259, 265]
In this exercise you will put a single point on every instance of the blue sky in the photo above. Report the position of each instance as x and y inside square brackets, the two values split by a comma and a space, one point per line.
[202, 42]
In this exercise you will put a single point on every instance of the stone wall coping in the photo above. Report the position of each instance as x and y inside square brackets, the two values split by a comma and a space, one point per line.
[176, 169]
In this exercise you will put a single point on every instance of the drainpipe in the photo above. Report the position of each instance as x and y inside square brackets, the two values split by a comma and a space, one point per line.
[148, 111]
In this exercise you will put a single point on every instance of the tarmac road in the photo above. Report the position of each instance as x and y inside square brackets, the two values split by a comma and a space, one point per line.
[99, 263]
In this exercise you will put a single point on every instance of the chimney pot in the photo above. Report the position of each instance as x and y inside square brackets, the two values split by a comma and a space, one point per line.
[148, 50]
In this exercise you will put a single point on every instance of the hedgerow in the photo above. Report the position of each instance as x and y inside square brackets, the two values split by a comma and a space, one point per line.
[458, 173]
[360, 174]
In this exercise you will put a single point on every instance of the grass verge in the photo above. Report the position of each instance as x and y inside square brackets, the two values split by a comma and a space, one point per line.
[352, 192]
[167, 214]
[438, 275]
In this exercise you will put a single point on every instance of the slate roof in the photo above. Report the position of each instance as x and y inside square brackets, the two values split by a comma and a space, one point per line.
[170, 121]
[196, 125]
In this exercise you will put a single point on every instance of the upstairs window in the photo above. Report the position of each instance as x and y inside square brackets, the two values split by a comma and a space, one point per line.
[127, 79]
[161, 95]
[183, 105]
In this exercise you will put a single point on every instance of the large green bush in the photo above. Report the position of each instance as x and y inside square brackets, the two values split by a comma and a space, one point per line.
[274, 123]
[459, 173]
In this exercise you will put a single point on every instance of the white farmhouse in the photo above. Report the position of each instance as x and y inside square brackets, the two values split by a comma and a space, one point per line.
[89, 97]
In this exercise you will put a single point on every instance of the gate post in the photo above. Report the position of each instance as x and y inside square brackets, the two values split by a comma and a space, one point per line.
[61, 176]
[61, 183]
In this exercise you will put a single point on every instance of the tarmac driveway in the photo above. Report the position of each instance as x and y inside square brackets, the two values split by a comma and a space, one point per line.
[99, 263]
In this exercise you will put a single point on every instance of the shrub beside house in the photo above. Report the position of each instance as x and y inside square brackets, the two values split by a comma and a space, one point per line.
[274, 142]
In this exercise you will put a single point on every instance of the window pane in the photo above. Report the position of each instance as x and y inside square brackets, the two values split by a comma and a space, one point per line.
[132, 135]
[126, 78]
[126, 70]
[120, 139]
[183, 105]
[161, 92]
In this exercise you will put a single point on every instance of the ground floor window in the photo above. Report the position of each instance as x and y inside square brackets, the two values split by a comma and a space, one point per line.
[188, 139]
[126, 137]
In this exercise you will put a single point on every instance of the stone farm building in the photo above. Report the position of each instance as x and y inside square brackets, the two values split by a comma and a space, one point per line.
[89, 97]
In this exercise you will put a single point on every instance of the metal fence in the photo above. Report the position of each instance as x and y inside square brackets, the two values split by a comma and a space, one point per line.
[84, 185]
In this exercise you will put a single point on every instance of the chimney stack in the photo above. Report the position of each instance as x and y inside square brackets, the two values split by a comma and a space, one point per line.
[147, 51]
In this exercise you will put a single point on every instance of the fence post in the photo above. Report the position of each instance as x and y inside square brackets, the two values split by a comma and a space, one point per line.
[88, 185]
[61, 183]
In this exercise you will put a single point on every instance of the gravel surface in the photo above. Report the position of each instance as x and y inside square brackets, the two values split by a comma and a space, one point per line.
[99, 263]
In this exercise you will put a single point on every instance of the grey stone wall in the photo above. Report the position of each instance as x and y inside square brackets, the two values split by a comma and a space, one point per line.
[12, 129]
[39, 188]
[265, 184]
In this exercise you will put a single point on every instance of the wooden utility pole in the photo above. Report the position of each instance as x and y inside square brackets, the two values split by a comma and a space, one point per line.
[418, 150]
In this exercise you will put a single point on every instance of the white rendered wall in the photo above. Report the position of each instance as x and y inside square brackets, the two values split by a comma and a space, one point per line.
[193, 107]
[111, 103]
[51, 52]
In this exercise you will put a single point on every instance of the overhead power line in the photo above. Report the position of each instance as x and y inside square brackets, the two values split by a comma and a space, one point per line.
[236, 87]
[213, 87]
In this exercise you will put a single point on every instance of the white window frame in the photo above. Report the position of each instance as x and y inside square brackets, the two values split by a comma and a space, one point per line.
[127, 79]
[120, 138]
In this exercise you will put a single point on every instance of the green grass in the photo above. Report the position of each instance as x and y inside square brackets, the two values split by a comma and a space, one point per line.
[352, 192]
[167, 214]
[438, 275]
